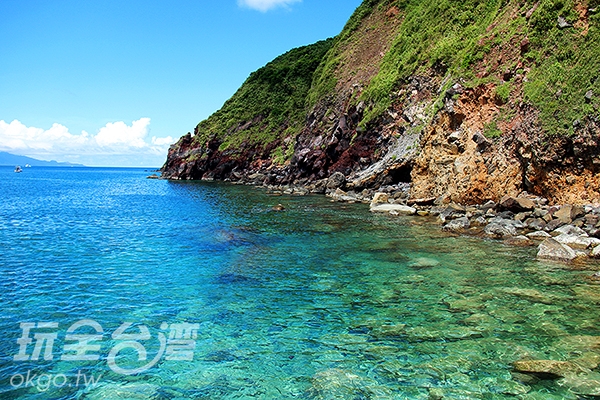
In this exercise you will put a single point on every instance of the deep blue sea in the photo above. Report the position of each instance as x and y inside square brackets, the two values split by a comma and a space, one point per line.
[114, 286]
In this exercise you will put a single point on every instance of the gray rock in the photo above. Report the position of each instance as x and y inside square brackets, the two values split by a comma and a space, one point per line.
[396, 208]
[596, 252]
[569, 230]
[550, 249]
[500, 230]
[538, 235]
[336, 180]
[562, 23]
[482, 142]
[552, 225]
[487, 206]
[481, 221]
[340, 195]
[511, 222]
[457, 225]
[537, 224]
[577, 242]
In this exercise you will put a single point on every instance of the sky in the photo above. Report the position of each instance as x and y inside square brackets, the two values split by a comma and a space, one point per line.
[115, 82]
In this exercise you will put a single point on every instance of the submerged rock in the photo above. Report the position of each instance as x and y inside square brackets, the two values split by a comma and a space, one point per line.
[424, 262]
[532, 295]
[583, 385]
[520, 241]
[549, 369]
[278, 207]
[550, 249]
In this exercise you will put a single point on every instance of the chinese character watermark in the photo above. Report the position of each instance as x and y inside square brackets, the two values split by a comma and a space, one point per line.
[80, 345]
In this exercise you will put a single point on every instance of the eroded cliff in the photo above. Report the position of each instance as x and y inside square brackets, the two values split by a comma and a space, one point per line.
[465, 101]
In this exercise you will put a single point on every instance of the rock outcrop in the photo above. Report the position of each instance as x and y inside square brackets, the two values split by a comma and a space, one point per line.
[463, 113]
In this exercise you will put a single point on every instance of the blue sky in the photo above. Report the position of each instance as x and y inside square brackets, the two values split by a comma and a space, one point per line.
[114, 82]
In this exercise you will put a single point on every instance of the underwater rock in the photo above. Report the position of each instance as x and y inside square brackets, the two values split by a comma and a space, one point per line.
[528, 294]
[583, 385]
[519, 241]
[549, 369]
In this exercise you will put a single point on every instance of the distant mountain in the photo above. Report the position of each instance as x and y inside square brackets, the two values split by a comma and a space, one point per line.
[12, 160]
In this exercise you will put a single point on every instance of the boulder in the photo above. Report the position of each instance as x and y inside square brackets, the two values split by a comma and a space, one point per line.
[577, 242]
[569, 230]
[550, 249]
[340, 195]
[452, 211]
[568, 213]
[553, 224]
[596, 252]
[380, 198]
[537, 224]
[457, 225]
[421, 202]
[517, 204]
[488, 206]
[521, 241]
[499, 229]
[397, 208]
[336, 180]
[538, 235]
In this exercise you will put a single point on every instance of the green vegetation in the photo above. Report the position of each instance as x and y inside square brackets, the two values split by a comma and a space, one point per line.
[269, 106]
[567, 64]
[491, 130]
[443, 35]
[456, 38]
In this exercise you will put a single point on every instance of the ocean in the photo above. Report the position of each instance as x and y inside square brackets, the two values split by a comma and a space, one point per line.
[114, 286]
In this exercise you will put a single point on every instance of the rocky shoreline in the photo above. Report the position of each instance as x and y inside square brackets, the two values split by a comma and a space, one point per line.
[563, 233]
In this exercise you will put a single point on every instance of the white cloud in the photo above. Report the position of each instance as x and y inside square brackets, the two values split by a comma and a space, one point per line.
[112, 140]
[265, 5]
[119, 133]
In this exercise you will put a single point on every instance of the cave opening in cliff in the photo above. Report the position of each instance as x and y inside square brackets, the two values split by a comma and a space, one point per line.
[400, 174]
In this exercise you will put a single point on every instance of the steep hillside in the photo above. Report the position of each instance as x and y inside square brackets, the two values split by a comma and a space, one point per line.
[254, 128]
[467, 101]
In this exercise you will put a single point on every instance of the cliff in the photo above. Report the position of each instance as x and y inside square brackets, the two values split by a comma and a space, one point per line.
[466, 101]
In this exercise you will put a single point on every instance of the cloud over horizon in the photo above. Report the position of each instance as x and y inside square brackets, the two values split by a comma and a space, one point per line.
[112, 140]
[266, 5]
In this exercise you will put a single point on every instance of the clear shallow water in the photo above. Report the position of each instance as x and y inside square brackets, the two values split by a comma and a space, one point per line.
[322, 301]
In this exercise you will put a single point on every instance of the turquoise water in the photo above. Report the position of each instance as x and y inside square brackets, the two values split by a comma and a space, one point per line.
[321, 301]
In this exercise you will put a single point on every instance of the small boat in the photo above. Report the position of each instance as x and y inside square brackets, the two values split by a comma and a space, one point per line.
[27, 166]
[18, 169]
